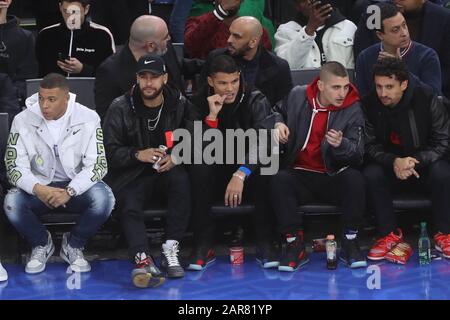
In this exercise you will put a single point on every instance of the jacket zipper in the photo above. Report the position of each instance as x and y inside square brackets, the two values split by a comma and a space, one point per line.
[415, 134]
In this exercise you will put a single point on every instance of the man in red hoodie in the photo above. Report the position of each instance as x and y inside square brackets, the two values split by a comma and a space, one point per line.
[322, 147]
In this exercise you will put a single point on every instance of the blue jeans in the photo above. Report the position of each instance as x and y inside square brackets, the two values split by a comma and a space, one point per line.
[94, 206]
[180, 13]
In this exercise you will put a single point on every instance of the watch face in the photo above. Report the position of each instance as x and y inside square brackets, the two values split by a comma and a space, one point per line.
[71, 191]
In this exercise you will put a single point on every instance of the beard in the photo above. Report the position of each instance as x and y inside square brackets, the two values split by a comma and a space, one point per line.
[153, 95]
[240, 52]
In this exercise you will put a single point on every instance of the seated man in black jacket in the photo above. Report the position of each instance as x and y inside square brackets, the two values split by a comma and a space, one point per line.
[407, 140]
[261, 69]
[323, 147]
[148, 34]
[74, 47]
[224, 103]
[135, 127]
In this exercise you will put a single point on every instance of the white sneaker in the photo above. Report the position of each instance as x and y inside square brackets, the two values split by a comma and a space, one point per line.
[73, 256]
[3, 273]
[170, 260]
[39, 257]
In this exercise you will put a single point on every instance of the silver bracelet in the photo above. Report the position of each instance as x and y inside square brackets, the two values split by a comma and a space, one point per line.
[238, 176]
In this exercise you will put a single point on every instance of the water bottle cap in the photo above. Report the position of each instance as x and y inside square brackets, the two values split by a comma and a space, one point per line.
[330, 237]
[423, 224]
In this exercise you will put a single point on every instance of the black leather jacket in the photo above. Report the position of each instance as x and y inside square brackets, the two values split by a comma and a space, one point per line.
[123, 133]
[423, 124]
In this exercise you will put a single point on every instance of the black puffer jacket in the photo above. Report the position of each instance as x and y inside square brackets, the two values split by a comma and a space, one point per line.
[422, 122]
[249, 111]
[124, 130]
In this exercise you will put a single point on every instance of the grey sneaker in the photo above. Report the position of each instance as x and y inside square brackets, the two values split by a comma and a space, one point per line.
[73, 256]
[3, 273]
[170, 260]
[39, 256]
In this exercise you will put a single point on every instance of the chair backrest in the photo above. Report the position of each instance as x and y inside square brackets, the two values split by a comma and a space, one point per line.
[4, 132]
[82, 87]
[301, 77]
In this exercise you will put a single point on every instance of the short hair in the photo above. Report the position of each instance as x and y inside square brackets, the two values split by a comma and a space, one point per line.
[54, 80]
[84, 3]
[387, 10]
[223, 63]
[389, 67]
[335, 68]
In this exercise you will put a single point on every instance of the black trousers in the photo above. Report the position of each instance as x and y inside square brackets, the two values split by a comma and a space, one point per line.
[290, 188]
[209, 183]
[434, 181]
[133, 198]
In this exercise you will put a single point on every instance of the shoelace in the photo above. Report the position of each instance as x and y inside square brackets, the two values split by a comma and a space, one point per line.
[384, 241]
[172, 256]
[444, 240]
[75, 254]
[39, 254]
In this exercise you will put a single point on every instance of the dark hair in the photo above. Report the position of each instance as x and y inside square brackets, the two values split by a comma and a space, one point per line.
[54, 80]
[223, 63]
[389, 67]
[387, 10]
[335, 68]
[84, 3]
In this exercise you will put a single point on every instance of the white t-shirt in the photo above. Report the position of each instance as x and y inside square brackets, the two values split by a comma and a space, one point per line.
[56, 129]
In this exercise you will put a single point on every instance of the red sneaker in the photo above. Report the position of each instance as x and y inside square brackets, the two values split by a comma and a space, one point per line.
[442, 244]
[383, 245]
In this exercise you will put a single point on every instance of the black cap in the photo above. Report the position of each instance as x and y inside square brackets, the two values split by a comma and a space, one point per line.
[151, 63]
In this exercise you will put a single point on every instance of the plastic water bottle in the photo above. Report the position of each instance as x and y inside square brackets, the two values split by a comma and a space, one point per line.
[331, 247]
[156, 165]
[424, 245]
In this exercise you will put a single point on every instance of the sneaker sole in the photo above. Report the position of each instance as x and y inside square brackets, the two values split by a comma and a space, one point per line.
[146, 280]
[290, 269]
[268, 265]
[441, 251]
[29, 271]
[375, 258]
[74, 268]
[197, 267]
[354, 265]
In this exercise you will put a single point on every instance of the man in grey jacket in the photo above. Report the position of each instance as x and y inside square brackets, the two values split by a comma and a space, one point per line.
[56, 159]
[323, 145]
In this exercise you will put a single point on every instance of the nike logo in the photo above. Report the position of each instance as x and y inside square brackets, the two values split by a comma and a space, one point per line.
[148, 62]
[75, 132]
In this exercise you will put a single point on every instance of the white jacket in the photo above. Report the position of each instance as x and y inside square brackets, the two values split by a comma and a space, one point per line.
[301, 51]
[30, 158]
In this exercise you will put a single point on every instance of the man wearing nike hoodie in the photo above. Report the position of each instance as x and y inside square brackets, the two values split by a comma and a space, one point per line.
[322, 147]
[56, 159]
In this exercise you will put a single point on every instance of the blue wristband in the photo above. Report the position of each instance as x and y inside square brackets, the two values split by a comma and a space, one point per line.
[245, 170]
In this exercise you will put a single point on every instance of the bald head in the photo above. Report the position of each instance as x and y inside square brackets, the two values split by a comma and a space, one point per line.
[248, 25]
[147, 28]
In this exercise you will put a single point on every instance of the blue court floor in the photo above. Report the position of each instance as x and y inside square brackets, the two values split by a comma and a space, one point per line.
[110, 279]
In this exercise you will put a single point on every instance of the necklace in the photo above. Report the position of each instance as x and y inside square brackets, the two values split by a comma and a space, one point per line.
[155, 120]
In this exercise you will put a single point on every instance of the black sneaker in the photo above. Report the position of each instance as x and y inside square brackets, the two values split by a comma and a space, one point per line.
[200, 258]
[146, 274]
[169, 260]
[267, 256]
[351, 254]
[295, 255]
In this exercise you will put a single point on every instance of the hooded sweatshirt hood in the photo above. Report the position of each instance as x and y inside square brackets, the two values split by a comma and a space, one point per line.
[32, 104]
[310, 156]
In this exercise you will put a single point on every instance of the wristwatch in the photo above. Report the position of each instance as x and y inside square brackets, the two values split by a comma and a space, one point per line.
[71, 191]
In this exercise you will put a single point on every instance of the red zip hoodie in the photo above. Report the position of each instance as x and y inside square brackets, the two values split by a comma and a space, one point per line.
[310, 156]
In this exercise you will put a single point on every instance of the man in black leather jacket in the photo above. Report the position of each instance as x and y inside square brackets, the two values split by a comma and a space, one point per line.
[407, 141]
[135, 127]
[225, 103]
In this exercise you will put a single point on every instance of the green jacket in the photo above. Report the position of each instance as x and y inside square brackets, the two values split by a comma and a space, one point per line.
[254, 8]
